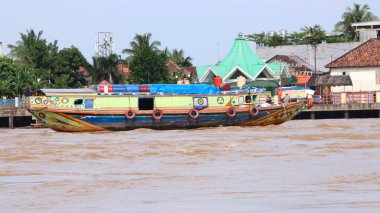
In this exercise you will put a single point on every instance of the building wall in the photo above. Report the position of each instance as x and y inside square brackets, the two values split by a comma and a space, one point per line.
[326, 52]
[363, 79]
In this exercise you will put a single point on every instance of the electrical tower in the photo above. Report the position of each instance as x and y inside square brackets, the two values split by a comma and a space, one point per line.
[103, 44]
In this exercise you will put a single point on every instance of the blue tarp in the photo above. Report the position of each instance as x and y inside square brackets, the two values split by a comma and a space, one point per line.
[184, 88]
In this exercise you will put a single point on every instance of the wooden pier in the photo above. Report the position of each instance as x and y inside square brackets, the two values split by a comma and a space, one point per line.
[15, 116]
[352, 110]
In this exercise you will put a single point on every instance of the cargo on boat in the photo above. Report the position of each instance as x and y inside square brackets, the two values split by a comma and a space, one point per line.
[157, 106]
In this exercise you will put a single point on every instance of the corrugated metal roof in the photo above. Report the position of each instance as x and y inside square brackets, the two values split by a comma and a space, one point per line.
[330, 80]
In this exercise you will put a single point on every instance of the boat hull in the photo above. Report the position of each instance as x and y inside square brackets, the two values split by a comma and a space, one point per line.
[100, 120]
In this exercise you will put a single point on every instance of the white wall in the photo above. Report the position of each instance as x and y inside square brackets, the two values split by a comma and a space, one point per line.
[363, 79]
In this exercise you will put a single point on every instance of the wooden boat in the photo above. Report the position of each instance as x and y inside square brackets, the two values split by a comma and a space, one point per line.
[156, 106]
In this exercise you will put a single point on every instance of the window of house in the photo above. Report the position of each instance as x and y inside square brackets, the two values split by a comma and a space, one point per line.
[343, 73]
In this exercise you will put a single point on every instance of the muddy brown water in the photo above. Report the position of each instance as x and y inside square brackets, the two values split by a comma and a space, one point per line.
[299, 166]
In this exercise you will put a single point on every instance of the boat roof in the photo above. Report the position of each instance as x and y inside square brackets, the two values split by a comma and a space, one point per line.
[68, 91]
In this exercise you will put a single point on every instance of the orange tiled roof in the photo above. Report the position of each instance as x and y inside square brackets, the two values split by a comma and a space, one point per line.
[365, 55]
[302, 79]
[172, 66]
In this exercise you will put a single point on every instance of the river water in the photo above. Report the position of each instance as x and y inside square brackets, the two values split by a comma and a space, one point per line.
[299, 166]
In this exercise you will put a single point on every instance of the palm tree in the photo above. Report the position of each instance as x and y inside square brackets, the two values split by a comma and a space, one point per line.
[25, 50]
[146, 61]
[177, 56]
[359, 13]
[141, 42]
[313, 35]
[105, 68]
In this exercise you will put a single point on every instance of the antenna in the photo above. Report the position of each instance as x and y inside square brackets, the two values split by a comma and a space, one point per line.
[103, 44]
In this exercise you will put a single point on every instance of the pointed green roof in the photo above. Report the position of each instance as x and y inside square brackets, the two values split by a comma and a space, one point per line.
[242, 56]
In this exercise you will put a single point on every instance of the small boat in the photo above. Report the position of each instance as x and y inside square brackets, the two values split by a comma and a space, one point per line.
[156, 106]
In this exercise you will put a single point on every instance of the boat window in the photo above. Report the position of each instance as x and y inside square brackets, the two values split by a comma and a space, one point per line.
[248, 99]
[146, 103]
[78, 102]
[89, 103]
[254, 97]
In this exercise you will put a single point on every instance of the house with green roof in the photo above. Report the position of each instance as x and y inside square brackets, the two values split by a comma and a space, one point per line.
[242, 61]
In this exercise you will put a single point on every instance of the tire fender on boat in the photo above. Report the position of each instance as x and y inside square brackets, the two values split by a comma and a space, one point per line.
[193, 114]
[130, 114]
[231, 112]
[157, 114]
[254, 111]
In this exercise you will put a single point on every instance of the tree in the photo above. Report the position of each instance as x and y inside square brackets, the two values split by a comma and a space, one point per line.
[259, 38]
[48, 65]
[313, 35]
[68, 62]
[275, 40]
[14, 78]
[177, 56]
[140, 43]
[295, 38]
[359, 13]
[105, 68]
[146, 62]
[33, 51]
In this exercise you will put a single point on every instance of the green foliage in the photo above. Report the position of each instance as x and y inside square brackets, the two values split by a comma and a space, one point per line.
[177, 56]
[275, 40]
[313, 35]
[68, 62]
[146, 62]
[296, 38]
[15, 78]
[308, 35]
[33, 51]
[40, 63]
[148, 67]
[46, 64]
[359, 13]
[259, 38]
[105, 68]
[337, 39]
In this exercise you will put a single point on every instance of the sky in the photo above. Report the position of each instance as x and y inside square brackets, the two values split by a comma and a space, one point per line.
[204, 29]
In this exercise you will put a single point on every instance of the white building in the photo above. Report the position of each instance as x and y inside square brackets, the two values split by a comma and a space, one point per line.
[367, 30]
[362, 64]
